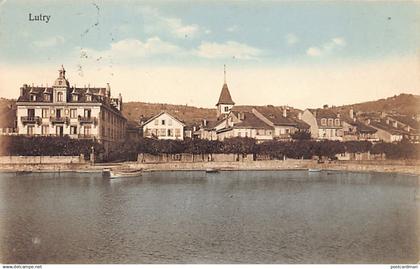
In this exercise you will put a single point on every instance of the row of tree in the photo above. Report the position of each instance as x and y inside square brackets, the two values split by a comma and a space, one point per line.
[47, 146]
[306, 149]
[298, 149]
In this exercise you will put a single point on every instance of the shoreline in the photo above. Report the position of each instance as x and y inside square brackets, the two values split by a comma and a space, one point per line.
[401, 167]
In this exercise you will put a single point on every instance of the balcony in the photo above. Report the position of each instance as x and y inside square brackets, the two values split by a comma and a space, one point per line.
[88, 120]
[31, 120]
[60, 120]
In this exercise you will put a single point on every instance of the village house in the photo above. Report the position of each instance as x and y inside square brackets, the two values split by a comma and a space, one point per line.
[355, 129]
[409, 126]
[259, 122]
[386, 130]
[82, 113]
[163, 126]
[324, 124]
[242, 123]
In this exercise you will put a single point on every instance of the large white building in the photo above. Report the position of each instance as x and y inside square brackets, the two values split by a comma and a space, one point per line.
[324, 124]
[83, 113]
[163, 126]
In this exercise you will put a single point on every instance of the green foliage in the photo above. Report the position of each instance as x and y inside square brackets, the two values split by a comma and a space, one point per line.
[47, 146]
[401, 150]
[301, 135]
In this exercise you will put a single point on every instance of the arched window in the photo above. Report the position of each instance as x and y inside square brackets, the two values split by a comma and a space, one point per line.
[323, 122]
[59, 97]
[330, 122]
[337, 122]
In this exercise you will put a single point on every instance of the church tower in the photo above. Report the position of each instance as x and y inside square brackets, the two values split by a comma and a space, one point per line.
[225, 103]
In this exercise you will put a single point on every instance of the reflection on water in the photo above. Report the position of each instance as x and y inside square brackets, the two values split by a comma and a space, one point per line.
[194, 217]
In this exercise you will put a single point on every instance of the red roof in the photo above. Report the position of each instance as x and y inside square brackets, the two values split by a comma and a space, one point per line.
[225, 97]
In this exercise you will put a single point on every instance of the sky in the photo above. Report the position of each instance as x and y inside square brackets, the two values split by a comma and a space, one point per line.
[302, 54]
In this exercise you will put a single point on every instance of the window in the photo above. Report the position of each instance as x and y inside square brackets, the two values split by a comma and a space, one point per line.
[156, 122]
[170, 122]
[87, 113]
[33, 97]
[88, 97]
[58, 113]
[162, 132]
[73, 130]
[75, 97]
[45, 130]
[163, 122]
[59, 97]
[73, 113]
[170, 132]
[86, 130]
[177, 132]
[239, 134]
[337, 122]
[31, 113]
[330, 122]
[30, 130]
[226, 109]
[46, 97]
[45, 112]
[323, 122]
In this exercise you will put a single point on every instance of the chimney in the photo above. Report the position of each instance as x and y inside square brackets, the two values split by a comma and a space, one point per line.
[325, 106]
[284, 112]
[108, 90]
[21, 89]
[351, 112]
[204, 122]
[300, 115]
[120, 104]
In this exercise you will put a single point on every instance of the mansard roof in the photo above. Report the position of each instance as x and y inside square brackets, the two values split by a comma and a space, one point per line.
[225, 97]
[98, 96]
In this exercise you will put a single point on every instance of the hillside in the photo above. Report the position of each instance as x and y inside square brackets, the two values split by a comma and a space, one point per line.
[7, 112]
[407, 104]
[189, 114]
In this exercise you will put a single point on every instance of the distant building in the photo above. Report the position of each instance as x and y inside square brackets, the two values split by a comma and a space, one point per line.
[387, 131]
[324, 124]
[82, 113]
[163, 126]
[409, 126]
[355, 129]
[225, 103]
[245, 124]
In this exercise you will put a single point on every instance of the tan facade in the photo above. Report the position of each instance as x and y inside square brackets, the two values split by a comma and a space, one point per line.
[82, 113]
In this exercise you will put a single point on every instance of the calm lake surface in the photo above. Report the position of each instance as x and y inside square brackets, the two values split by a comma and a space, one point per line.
[194, 217]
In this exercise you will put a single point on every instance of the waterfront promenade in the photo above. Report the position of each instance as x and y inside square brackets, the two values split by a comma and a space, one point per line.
[388, 166]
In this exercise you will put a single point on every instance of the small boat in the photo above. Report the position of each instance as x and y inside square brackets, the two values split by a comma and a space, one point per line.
[108, 173]
[212, 170]
[314, 170]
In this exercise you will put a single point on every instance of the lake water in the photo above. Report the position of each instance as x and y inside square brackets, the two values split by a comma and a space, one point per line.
[194, 217]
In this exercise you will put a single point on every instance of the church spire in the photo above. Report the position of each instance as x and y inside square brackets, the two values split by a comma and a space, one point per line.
[224, 70]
